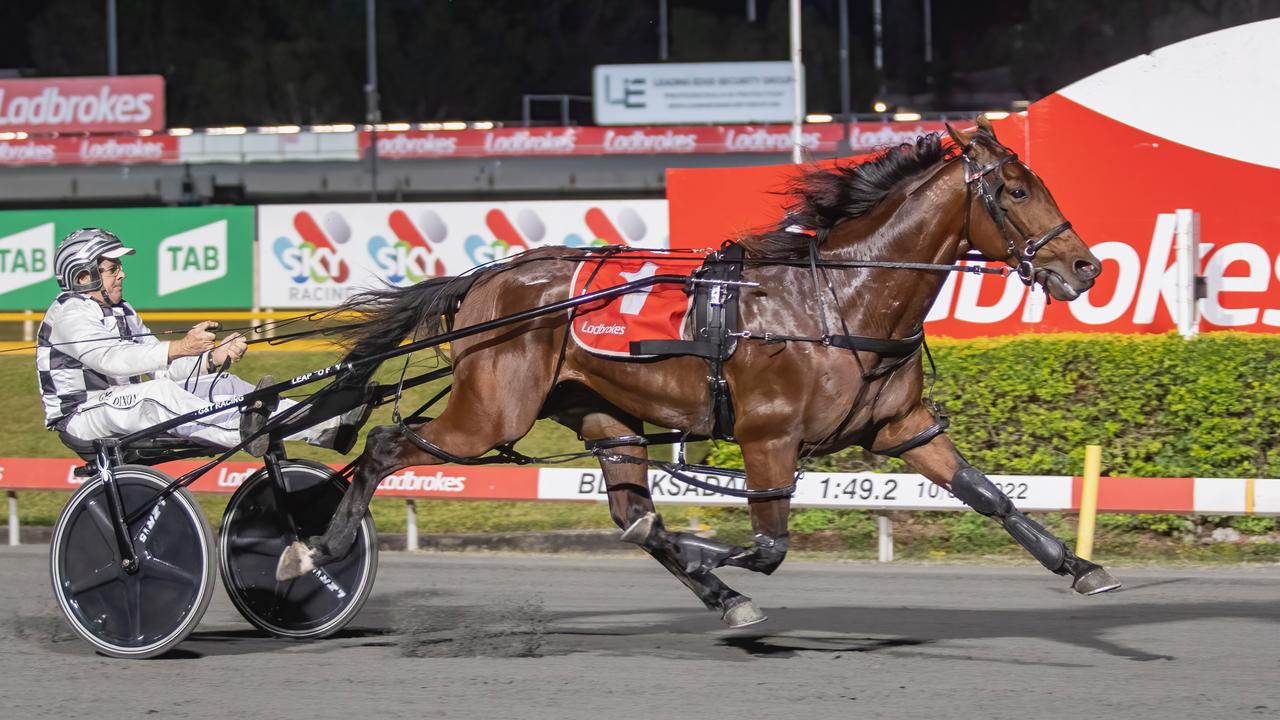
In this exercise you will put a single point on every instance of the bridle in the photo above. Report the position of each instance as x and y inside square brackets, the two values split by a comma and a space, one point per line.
[988, 191]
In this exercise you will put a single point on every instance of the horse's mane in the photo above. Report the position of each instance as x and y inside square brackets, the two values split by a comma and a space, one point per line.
[827, 196]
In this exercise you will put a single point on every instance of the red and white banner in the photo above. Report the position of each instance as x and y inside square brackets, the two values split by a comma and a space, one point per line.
[82, 104]
[865, 137]
[90, 150]
[1121, 151]
[679, 140]
[428, 144]
[897, 491]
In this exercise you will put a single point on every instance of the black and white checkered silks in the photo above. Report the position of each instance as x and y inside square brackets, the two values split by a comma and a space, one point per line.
[92, 361]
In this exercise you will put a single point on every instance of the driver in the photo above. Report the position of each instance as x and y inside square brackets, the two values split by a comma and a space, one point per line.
[94, 355]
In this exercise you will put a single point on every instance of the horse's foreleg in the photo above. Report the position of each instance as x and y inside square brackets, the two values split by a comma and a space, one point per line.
[685, 555]
[939, 461]
[770, 465]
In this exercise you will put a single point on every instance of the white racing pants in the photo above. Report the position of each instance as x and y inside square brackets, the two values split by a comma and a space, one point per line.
[124, 409]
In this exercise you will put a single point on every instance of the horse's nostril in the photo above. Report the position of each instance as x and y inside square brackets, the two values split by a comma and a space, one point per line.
[1086, 270]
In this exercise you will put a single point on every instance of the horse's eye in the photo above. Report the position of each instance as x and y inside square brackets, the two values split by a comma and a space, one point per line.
[1018, 193]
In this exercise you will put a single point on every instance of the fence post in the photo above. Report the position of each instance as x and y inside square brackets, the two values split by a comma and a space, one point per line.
[1187, 254]
[884, 526]
[1089, 500]
[14, 529]
[28, 326]
[411, 525]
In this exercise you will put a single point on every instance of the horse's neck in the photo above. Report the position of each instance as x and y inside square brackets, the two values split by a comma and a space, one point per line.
[922, 223]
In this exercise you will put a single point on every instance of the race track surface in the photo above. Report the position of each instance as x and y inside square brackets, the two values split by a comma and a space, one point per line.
[510, 636]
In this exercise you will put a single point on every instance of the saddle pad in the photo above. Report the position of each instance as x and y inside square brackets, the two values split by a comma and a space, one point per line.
[656, 312]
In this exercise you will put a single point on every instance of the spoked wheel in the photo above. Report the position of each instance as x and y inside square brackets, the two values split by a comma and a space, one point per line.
[147, 612]
[261, 521]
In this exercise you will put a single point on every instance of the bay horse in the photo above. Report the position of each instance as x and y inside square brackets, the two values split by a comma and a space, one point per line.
[928, 202]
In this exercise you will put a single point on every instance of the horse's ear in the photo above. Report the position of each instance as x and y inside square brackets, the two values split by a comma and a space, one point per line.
[984, 124]
[959, 137]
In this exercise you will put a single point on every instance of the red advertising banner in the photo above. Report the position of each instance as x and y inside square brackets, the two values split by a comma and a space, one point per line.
[1120, 192]
[82, 104]
[437, 481]
[823, 138]
[453, 482]
[867, 136]
[89, 150]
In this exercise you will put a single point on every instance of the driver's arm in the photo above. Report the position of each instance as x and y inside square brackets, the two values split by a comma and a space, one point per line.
[184, 362]
[80, 333]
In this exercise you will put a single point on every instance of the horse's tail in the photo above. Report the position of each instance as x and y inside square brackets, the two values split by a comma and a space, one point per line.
[388, 315]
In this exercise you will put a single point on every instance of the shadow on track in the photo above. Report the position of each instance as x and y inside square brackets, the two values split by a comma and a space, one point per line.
[428, 625]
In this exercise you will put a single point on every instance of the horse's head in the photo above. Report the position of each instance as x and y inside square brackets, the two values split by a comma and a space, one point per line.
[1016, 219]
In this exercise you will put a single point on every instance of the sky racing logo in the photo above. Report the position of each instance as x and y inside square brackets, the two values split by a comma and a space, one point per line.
[315, 258]
[412, 243]
[410, 255]
[529, 230]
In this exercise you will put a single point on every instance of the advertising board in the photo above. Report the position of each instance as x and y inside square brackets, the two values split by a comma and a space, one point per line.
[529, 142]
[89, 150]
[313, 256]
[1121, 153]
[674, 93]
[187, 258]
[82, 104]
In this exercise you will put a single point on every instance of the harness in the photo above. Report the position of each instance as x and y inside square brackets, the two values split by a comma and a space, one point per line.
[975, 175]
[715, 323]
[715, 288]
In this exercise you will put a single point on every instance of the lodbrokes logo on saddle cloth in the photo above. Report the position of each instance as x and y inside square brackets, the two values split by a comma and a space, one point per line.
[660, 319]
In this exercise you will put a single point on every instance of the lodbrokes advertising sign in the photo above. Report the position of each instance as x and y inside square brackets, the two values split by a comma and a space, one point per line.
[312, 256]
[187, 258]
[84, 104]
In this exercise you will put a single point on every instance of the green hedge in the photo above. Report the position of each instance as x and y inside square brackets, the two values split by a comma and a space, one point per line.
[1159, 406]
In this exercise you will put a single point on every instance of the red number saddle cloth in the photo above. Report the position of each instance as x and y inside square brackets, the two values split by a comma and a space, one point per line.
[656, 312]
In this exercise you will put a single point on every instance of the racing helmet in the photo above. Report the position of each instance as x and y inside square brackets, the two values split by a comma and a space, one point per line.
[79, 253]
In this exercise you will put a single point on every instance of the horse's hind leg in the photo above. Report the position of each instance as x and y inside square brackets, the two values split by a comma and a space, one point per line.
[688, 557]
[474, 423]
[939, 461]
[770, 464]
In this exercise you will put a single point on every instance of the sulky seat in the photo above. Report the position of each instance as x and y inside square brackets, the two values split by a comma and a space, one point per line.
[151, 451]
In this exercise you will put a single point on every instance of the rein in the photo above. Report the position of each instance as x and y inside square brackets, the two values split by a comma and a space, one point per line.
[256, 329]
[806, 262]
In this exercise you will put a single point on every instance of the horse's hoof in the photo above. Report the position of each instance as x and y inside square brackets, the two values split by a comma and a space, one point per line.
[743, 614]
[1096, 580]
[296, 560]
[640, 530]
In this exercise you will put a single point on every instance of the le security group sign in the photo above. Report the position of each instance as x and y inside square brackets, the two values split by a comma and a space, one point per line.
[692, 93]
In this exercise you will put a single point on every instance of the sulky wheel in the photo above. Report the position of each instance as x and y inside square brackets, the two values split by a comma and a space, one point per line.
[140, 614]
[261, 521]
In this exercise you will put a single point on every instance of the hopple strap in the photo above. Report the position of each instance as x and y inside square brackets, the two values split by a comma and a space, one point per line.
[715, 322]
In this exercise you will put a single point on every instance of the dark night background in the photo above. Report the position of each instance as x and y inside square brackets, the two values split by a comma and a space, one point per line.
[267, 62]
